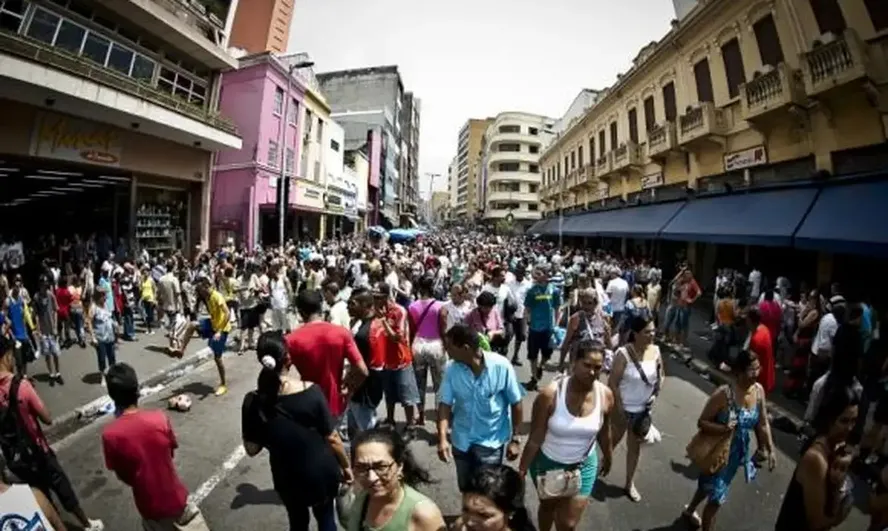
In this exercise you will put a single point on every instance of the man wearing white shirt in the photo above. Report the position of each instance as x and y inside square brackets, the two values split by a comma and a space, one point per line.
[822, 345]
[518, 286]
[617, 291]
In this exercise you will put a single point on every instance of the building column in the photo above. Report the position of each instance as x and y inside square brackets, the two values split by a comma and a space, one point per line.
[322, 227]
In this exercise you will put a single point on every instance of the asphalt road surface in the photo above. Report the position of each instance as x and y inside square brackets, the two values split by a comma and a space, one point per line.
[234, 491]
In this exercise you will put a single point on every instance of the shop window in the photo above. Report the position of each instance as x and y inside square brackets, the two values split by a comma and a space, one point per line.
[768, 41]
[650, 116]
[12, 14]
[669, 106]
[120, 59]
[878, 12]
[70, 37]
[43, 26]
[703, 80]
[96, 48]
[633, 125]
[733, 59]
[273, 154]
[614, 137]
[829, 16]
[278, 101]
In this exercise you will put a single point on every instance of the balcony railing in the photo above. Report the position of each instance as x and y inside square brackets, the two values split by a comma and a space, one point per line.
[834, 63]
[627, 155]
[772, 90]
[702, 122]
[662, 139]
[38, 52]
[603, 165]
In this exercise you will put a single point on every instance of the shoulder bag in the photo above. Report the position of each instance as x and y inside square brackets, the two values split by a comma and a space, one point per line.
[642, 424]
[562, 482]
[709, 452]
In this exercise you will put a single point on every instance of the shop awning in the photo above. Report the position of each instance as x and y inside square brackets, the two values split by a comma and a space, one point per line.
[543, 227]
[640, 222]
[576, 225]
[767, 218]
[848, 218]
[535, 228]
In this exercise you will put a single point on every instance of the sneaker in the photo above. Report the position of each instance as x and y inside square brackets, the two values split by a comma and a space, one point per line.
[52, 381]
[221, 390]
[59, 379]
[104, 383]
[516, 362]
[95, 525]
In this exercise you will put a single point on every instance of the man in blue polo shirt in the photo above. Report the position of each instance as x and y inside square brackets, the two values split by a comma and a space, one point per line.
[480, 399]
[541, 305]
[14, 310]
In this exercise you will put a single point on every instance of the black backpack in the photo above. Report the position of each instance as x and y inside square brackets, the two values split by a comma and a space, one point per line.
[22, 454]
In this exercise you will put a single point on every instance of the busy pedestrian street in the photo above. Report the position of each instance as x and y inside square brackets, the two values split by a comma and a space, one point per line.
[235, 492]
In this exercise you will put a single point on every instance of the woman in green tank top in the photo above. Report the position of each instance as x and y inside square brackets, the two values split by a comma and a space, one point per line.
[386, 473]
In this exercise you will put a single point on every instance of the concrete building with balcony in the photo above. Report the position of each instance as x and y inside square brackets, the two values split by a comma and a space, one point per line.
[261, 25]
[729, 137]
[510, 169]
[341, 196]
[372, 99]
[409, 193]
[286, 127]
[468, 206]
[110, 120]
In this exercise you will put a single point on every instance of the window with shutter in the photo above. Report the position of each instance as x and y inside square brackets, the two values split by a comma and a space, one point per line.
[878, 12]
[650, 116]
[829, 16]
[591, 149]
[768, 41]
[580, 156]
[633, 125]
[669, 105]
[703, 79]
[601, 147]
[614, 136]
[733, 60]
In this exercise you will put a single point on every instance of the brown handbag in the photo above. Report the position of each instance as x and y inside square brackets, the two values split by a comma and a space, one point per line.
[709, 452]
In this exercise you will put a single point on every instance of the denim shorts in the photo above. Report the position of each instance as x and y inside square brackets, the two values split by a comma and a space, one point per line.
[206, 332]
[468, 462]
[399, 386]
[677, 319]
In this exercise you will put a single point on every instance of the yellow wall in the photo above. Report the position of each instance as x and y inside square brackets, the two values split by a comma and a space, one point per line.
[844, 123]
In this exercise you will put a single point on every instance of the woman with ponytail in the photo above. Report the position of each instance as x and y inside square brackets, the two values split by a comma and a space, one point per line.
[290, 418]
[494, 501]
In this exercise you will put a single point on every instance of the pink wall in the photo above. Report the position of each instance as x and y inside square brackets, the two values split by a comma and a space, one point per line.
[375, 139]
[241, 176]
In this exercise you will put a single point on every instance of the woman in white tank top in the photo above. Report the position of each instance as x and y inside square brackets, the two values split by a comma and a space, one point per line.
[635, 391]
[569, 419]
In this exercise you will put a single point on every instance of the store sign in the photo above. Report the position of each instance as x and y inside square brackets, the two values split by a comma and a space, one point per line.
[738, 160]
[334, 200]
[652, 181]
[65, 138]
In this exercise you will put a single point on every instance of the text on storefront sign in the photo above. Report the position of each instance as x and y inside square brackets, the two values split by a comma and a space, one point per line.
[65, 138]
[738, 160]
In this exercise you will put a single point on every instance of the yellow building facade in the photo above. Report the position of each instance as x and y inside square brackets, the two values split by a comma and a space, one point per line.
[737, 93]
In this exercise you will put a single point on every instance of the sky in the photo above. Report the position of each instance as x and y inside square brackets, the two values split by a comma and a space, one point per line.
[476, 58]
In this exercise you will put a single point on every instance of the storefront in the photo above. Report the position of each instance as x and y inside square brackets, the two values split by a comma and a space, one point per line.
[65, 176]
[335, 207]
[310, 206]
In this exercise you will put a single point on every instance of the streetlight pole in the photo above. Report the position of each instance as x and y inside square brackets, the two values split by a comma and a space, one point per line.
[284, 179]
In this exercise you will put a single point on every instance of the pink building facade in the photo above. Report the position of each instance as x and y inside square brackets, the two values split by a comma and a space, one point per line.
[266, 107]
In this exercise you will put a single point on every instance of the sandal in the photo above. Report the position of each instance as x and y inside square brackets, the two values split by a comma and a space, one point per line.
[692, 518]
[632, 494]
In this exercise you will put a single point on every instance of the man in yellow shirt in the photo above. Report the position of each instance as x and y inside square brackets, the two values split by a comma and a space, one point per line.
[215, 329]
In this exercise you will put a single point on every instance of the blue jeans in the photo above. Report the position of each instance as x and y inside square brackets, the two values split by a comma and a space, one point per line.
[106, 352]
[129, 325]
[77, 324]
[148, 308]
[361, 417]
[468, 463]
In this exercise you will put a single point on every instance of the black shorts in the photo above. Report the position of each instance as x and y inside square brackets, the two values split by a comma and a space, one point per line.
[519, 331]
[539, 343]
[50, 478]
[250, 318]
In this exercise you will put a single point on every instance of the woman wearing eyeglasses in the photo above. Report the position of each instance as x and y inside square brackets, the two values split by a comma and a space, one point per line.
[387, 474]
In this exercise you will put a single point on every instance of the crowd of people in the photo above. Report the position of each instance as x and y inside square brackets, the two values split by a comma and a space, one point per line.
[374, 320]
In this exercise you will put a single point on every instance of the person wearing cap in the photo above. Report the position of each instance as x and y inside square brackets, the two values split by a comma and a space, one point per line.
[214, 329]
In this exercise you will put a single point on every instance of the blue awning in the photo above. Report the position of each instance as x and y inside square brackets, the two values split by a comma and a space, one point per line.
[848, 218]
[535, 228]
[576, 225]
[547, 227]
[640, 222]
[757, 218]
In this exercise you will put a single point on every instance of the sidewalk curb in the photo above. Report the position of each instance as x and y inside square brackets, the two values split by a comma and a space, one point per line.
[786, 420]
[72, 421]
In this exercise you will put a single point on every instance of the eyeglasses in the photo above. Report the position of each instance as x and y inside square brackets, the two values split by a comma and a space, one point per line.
[381, 469]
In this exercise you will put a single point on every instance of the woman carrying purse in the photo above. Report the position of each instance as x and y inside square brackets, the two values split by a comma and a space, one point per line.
[569, 417]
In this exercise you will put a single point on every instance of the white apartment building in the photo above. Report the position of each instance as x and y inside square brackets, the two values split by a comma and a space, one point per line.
[511, 179]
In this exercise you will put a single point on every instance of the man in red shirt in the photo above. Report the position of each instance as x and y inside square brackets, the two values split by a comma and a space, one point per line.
[38, 466]
[139, 447]
[761, 343]
[319, 350]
